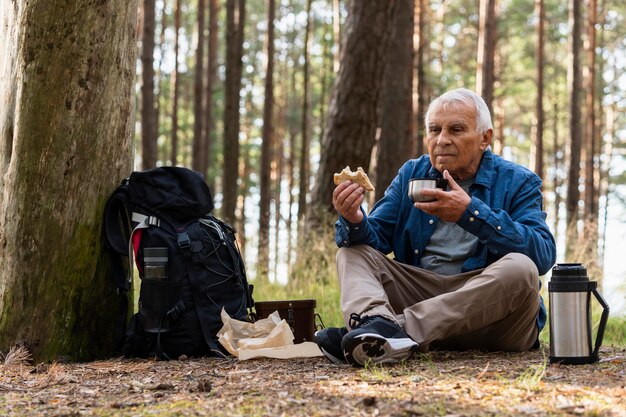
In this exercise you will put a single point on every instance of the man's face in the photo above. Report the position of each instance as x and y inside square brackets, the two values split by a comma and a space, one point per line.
[453, 142]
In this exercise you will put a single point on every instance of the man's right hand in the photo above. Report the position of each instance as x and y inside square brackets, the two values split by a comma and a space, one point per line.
[347, 199]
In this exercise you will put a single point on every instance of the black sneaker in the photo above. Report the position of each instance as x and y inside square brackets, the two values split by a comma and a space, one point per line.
[329, 342]
[377, 340]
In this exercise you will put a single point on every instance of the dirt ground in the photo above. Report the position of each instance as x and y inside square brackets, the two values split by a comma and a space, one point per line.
[437, 384]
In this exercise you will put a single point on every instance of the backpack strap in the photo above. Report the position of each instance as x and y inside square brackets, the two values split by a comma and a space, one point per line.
[115, 231]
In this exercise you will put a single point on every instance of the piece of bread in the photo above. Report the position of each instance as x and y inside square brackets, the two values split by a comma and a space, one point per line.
[360, 177]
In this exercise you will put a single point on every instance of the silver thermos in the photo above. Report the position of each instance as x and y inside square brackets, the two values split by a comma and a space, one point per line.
[570, 292]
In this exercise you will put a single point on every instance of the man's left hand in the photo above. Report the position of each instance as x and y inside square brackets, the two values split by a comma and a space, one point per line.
[449, 205]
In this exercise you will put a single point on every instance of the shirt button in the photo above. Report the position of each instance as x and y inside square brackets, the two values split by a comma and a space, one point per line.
[471, 219]
[345, 242]
[431, 221]
[356, 228]
[417, 251]
[499, 227]
[476, 212]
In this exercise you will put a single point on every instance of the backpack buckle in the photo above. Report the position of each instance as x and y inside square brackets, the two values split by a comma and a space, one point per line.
[183, 240]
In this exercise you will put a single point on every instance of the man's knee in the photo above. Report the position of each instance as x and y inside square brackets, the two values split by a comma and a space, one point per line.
[517, 268]
[349, 253]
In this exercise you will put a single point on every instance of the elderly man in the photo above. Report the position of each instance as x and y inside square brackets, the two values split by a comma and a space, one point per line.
[465, 268]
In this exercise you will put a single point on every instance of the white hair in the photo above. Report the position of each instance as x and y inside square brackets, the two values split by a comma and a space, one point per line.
[467, 98]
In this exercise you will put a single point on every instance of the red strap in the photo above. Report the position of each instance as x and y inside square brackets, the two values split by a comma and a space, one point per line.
[136, 241]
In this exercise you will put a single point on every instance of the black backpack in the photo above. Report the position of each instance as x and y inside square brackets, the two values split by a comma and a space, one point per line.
[188, 261]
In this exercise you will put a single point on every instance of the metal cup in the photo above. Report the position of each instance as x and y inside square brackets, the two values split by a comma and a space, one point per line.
[417, 184]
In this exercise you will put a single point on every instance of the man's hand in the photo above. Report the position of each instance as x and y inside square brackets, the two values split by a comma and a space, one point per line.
[347, 199]
[449, 205]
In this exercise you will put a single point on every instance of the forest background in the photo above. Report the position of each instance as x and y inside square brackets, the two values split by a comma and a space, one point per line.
[268, 98]
[552, 73]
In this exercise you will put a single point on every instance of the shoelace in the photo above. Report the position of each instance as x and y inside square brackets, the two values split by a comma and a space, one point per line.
[357, 321]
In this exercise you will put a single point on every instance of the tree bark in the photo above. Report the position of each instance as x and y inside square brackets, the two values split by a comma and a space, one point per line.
[485, 65]
[420, 44]
[65, 144]
[352, 120]
[175, 86]
[575, 88]
[266, 151]
[235, 18]
[305, 122]
[209, 125]
[148, 110]
[539, 62]
[591, 148]
[396, 143]
[198, 156]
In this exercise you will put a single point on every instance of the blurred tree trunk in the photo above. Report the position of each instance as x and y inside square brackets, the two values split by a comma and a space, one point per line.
[591, 148]
[148, 110]
[292, 129]
[266, 152]
[558, 164]
[396, 143]
[539, 62]
[235, 22]
[485, 63]
[305, 122]
[574, 77]
[419, 77]
[351, 128]
[175, 86]
[198, 157]
[209, 125]
[160, 155]
[337, 35]
[66, 133]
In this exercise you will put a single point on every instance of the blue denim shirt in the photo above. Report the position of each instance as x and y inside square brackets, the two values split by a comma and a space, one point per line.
[505, 214]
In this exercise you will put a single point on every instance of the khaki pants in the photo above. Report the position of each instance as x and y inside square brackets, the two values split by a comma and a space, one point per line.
[489, 309]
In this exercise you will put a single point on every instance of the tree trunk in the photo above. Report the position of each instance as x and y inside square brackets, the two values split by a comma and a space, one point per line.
[337, 35]
[175, 86]
[575, 87]
[558, 164]
[396, 143]
[591, 148]
[198, 156]
[352, 121]
[209, 125]
[266, 151]
[485, 65]
[304, 149]
[539, 62]
[148, 110]
[160, 154]
[235, 18]
[419, 78]
[66, 134]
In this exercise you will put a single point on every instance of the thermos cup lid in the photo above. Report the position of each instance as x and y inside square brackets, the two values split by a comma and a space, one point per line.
[569, 272]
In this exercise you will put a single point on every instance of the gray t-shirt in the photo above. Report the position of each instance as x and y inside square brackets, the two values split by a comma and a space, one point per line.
[449, 246]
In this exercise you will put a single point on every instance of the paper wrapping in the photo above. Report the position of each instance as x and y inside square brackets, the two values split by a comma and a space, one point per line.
[270, 338]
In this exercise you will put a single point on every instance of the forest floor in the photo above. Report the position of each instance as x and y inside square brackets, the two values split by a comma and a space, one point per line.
[435, 384]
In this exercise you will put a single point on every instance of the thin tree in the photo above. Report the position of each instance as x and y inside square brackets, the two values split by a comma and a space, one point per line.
[266, 151]
[66, 130]
[485, 63]
[396, 142]
[198, 156]
[591, 148]
[211, 78]
[420, 44]
[336, 35]
[575, 133]
[235, 18]
[148, 110]
[352, 119]
[305, 121]
[539, 62]
[175, 86]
